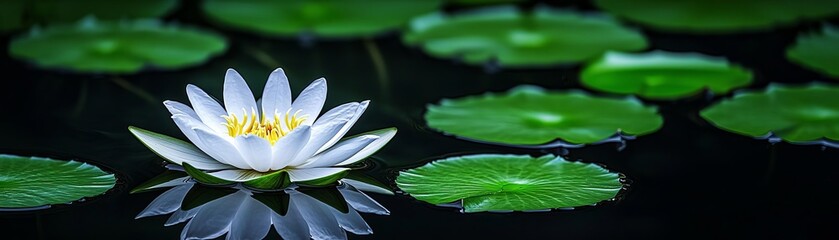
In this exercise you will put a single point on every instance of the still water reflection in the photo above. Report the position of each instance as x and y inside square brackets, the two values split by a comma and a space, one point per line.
[295, 213]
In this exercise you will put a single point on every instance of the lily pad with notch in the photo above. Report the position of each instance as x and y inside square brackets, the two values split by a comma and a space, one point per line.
[118, 47]
[795, 114]
[494, 182]
[663, 75]
[702, 16]
[513, 38]
[23, 13]
[330, 18]
[529, 116]
[819, 52]
[29, 182]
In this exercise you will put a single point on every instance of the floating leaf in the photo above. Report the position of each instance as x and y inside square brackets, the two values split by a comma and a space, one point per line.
[663, 75]
[116, 47]
[802, 114]
[491, 182]
[702, 16]
[330, 18]
[21, 13]
[819, 52]
[528, 115]
[32, 182]
[517, 39]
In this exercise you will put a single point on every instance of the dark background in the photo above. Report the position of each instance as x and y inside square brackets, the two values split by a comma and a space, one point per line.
[689, 179]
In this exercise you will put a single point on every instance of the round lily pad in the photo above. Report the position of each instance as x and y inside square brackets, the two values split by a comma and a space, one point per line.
[703, 16]
[116, 46]
[328, 18]
[492, 182]
[31, 181]
[513, 38]
[21, 13]
[819, 52]
[528, 115]
[663, 75]
[800, 114]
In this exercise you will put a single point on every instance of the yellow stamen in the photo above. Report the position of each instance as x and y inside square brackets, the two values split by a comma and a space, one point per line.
[269, 129]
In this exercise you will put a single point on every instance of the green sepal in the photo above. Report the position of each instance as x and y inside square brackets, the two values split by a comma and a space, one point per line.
[157, 180]
[331, 180]
[273, 181]
[277, 201]
[329, 196]
[199, 195]
[203, 177]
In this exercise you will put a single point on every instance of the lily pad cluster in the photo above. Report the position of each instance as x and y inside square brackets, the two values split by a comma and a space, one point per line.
[121, 47]
[532, 116]
[703, 16]
[493, 182]
[27, 182]
[326, 18]
[663, 75]
[514, 38]
[796, 114]
[819, 52]
[21, 13]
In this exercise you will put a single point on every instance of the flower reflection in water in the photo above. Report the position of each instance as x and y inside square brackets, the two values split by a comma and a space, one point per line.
[295, 213]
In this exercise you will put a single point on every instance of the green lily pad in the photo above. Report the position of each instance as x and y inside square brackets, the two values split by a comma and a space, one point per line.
[491, 182]
[21, 13]
[31, 181]
[528, 115]
[116, 47]
[663, 75]
[703, 16]
[518, 39]
[819, 52]
[327, 18]
[801, 114]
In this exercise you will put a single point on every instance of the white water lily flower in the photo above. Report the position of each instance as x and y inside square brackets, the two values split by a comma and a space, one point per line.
[248, 139]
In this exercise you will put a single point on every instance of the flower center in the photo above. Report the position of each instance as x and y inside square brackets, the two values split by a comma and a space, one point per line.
[271, 129]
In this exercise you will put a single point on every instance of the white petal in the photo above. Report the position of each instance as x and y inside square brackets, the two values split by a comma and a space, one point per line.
[180, 108]
[310, 101]
[214, 218]
[207, 108]
[237, 175]
[306, 174]
[366, 187]
[289, 145]
[238, 98]
[256, 151]
[167, 202]
[219, 146]
[385, 135]
[187, 125]
[171, 183]
[346, 128]
[181, 216]
[292, 225]
[276, 97]
[340, 152]
[175, 150]
[318, 215]
[252, 221]
[360, 201]
[352, 222]
[322, 132]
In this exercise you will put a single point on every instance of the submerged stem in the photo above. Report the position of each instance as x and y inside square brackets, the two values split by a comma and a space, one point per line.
[82, 100]
[140, 92]
[379, 64]
[262, 57]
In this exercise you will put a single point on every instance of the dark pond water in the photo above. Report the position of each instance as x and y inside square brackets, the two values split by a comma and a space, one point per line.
[689, 179]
